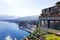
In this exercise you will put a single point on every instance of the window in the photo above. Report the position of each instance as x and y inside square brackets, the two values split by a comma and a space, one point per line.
[42, 23]
[50, 9]
[57, 25]
[58, 11]
[51, 24]
[46, 23]
[44, 10]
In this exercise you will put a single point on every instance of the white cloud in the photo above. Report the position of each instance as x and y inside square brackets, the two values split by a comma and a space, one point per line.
[21, 7]
[16, 8]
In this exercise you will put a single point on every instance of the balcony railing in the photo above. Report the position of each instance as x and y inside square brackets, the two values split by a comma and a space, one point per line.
[49, 18]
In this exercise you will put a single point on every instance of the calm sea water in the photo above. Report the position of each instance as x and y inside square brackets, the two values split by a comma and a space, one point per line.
[11, 31]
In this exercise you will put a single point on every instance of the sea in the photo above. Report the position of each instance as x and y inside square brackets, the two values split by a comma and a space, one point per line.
[11, 31]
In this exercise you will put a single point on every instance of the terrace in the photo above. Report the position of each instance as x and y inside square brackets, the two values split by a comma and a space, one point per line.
[50, 19]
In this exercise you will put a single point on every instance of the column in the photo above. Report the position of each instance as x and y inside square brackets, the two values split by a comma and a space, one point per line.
[48, 23]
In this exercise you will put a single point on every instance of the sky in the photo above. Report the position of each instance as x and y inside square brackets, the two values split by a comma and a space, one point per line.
[24, 7]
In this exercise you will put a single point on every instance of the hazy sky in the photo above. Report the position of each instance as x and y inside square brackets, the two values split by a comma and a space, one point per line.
[24, 7]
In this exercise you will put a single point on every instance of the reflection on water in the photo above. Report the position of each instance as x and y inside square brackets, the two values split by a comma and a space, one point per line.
[11, 31]
[8, 37]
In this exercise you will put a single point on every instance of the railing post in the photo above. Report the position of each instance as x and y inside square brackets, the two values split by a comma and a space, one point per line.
[25, 38]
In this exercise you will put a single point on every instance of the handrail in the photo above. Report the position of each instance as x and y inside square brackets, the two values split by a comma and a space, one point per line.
[32, 36]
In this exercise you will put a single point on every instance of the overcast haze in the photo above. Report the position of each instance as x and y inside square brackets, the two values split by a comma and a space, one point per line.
[24, 7]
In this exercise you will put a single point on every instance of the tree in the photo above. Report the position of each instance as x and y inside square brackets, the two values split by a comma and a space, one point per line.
[58, 3]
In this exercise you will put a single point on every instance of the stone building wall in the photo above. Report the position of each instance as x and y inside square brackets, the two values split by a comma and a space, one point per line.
[52, 11]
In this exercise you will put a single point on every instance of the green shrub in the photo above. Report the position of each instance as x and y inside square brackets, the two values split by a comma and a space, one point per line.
[51, 37]
[36, 31]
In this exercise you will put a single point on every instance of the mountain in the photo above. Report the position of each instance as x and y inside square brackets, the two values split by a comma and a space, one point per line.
[5, 17]
[27, 18]
[18, 19]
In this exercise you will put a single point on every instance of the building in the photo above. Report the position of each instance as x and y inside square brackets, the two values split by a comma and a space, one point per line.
[50, 19]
